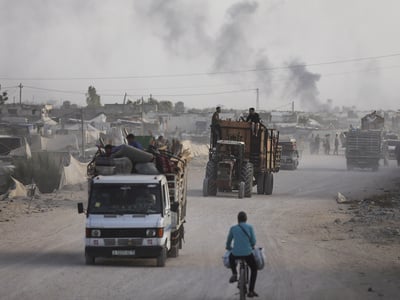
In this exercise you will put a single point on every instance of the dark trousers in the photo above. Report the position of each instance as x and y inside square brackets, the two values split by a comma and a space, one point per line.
[216, 134]
[250, 260]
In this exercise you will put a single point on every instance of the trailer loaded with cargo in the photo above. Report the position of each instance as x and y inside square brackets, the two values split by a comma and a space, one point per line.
[243, 156]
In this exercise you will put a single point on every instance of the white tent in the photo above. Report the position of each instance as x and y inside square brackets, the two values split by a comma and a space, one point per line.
[74, 173]
[18, 191]
[23, 151]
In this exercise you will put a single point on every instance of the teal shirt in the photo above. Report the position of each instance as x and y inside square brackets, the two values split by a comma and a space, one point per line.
[242, 244]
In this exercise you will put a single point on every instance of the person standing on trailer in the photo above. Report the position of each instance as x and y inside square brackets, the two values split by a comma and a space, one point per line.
[215, 126]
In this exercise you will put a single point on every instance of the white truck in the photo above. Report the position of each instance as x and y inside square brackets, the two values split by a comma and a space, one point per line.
[136, 215]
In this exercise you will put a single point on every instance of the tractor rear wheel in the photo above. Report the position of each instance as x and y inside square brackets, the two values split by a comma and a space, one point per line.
[260, 183]
[269, 183]
[246, 175]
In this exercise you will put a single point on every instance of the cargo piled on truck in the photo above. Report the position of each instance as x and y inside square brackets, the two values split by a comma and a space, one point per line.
[137, 204]
[246, 154]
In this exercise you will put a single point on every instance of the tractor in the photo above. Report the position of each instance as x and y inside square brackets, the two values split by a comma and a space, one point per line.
[246, 155]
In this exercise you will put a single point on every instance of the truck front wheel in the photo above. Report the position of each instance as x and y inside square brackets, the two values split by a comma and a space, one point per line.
[174, 251]
[89, 260]
[162, 258]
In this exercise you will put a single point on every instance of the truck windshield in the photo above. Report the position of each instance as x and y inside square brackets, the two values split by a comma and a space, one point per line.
[287, 147]
[125, 199]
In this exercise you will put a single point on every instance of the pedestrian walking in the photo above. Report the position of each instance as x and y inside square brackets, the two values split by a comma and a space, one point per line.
[336, 149]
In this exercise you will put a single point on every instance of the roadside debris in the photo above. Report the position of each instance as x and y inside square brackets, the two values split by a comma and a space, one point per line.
[341, 198]
[375, 218]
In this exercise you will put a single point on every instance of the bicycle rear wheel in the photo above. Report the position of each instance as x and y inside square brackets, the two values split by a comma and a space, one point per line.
[242, 284]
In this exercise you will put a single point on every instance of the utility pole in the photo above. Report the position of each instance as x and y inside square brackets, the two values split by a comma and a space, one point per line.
[293, 107]
[83, 137]
[257, 100]
[20, 94]
[125, 98]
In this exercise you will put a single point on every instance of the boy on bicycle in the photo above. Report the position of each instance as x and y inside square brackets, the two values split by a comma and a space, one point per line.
[244, 240]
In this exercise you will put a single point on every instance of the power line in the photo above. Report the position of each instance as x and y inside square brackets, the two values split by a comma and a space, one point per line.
[281, 106]
[143, 94]
[9, 87]
[206, 73]
[54, 90]
[196, 94]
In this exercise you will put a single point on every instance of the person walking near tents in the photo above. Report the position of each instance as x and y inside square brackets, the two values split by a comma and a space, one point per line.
[336, 149]
[316, 145]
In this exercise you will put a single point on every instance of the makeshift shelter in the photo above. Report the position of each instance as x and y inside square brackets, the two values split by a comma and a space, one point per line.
[73, 173]
[18, 191]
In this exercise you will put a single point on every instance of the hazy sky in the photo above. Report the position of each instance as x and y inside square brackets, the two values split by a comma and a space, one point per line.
[204, 53]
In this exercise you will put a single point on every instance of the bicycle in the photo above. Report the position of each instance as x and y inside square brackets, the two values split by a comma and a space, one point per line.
[243, 279]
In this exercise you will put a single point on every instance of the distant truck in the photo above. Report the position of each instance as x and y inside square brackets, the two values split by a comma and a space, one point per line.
[364, 146]
[290, 154]
[133, 215]
[245, 155]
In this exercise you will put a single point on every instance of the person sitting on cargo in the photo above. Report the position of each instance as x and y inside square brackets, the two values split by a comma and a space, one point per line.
[108, 150]
[162, 143]
[152, 148]
[132, 142]
[253, 116]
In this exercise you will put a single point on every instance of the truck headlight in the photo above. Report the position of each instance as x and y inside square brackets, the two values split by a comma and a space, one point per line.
[155, 232]
[151, 232]
[95, 233]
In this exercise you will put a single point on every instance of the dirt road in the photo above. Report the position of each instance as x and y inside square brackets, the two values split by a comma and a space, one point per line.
[316, 248]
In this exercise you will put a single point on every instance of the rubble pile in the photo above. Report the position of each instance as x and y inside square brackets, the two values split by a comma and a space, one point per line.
[12, 208]
[375, 218]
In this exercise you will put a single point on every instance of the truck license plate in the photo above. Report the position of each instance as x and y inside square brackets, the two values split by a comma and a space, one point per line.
[123, 252]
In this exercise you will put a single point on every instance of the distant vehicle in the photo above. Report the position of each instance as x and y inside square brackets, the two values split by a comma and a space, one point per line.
[247, 154]
[364, 146]
[289, 155]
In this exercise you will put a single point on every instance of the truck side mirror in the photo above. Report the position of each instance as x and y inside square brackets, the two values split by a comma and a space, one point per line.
[174, 206]
[80, 207]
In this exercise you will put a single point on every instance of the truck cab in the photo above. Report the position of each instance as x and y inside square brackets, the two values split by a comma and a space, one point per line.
[129, 216]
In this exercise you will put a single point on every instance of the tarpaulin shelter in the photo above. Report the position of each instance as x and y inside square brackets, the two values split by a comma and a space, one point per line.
[73, 173]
